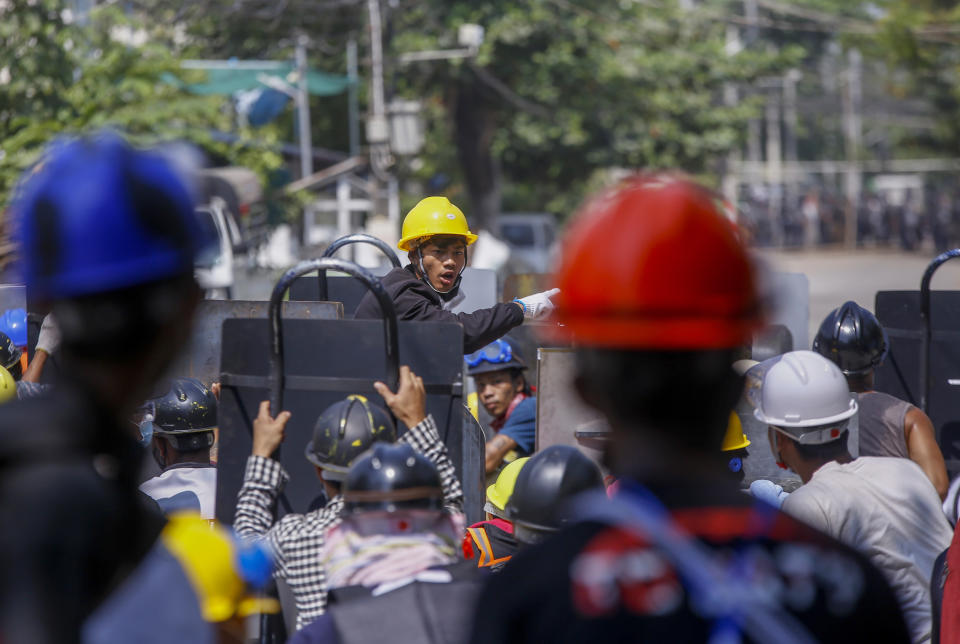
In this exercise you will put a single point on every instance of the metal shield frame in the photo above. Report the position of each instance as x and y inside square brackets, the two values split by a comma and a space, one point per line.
[321, 361]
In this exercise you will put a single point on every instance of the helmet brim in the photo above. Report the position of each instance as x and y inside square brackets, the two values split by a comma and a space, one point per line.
[411, 242]
[330, 472]
[489, 367]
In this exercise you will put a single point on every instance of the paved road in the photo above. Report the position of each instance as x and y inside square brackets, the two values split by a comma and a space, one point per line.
[836, 276]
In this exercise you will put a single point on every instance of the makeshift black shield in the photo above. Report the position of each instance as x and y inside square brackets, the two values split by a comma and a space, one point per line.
[201, 357]
[923, 363]
[304, 366]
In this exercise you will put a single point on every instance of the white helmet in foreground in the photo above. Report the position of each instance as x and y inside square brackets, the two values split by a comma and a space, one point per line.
[806, 397]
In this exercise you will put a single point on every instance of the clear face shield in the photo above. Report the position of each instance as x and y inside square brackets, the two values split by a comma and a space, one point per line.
[401, 523]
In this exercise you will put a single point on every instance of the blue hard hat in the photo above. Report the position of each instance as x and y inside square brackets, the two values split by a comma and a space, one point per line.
[13, 322]
[98, 215]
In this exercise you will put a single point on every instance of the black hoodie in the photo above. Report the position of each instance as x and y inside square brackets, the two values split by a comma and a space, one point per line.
[414, 300]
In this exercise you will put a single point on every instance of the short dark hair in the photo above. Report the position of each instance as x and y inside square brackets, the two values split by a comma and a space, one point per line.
[516, 374]
[861, 381]
[831, 451]
[686, 395]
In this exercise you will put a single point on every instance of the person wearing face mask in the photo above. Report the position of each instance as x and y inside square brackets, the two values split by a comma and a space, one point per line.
[183, 433]
[436, 236]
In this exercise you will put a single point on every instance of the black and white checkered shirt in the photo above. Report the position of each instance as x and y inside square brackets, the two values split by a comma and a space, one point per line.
[297, 540]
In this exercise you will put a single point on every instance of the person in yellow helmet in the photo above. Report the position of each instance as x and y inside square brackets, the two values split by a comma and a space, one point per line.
[209, 582]
[8, 387]
[734, 446]
[436, 236]
[491, 542]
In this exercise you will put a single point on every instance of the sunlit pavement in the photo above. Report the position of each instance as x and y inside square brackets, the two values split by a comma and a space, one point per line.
[839, 275]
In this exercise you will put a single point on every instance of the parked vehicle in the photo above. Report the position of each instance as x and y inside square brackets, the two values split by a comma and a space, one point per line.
[531, 238]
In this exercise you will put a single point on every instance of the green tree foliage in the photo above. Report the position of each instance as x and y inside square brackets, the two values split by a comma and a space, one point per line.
[66, 78]
[562, 90]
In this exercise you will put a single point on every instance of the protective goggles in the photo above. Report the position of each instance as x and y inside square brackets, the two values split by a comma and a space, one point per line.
[497, 352]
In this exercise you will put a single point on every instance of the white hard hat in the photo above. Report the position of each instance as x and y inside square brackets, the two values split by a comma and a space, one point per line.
[807, 394]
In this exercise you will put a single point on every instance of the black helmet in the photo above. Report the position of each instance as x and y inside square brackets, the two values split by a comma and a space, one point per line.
[345, 430]
[390, 478]
[186, 415]
[546, 482]
[10, 356]
[851, 337]
[498, 355]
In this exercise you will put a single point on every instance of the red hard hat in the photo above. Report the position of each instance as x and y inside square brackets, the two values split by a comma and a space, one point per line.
[654, 264]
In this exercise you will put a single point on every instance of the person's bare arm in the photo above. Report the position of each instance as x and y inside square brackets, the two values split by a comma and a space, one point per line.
[923, 449]
[47, 342]
[497, 447]
[35, 368]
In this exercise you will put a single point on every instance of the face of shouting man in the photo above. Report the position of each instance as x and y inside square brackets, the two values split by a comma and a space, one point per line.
[442, 259]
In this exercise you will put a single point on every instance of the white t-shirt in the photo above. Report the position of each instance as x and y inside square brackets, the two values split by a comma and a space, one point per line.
[887, 508]
[184, 487]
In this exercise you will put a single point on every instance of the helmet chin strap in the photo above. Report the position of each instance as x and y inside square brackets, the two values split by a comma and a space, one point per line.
[426, 280]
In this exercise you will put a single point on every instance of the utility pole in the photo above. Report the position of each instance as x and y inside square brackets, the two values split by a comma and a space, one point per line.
[303, 109]
[853, 135]
[774, 166]
[353, 110]
[378, 133]
[790, 122]
[754, 153]
[303, 129]
[730, 182]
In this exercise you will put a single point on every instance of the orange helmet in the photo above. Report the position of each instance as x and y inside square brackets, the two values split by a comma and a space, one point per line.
[653, 264]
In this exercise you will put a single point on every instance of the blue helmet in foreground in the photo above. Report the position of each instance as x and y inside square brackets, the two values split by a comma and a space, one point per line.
[99, 215]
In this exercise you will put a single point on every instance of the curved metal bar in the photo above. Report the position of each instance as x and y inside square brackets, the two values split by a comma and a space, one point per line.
[346, 240]
[937, 262]
[322, 265]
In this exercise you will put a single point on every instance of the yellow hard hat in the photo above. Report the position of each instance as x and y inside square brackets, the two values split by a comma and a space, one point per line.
[499, 493]
[8, 387]
[433, 216]
[208, 557]
[734, 438]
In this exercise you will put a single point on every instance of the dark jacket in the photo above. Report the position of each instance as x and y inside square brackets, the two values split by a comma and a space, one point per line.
[414, 300]
[74, 523]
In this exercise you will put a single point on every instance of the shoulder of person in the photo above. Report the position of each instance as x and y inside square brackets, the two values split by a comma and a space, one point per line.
[526, 410]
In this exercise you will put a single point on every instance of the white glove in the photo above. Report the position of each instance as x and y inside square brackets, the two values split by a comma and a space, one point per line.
[768, 491]
[49, 338]
[538, 305]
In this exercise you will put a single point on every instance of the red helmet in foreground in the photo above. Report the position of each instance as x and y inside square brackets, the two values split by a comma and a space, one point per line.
[654, 264]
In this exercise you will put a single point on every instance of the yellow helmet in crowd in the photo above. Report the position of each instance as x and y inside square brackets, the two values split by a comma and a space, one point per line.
[209, 559]
[734, 438]
[499, 493]
[433, 216]
[8, 386]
